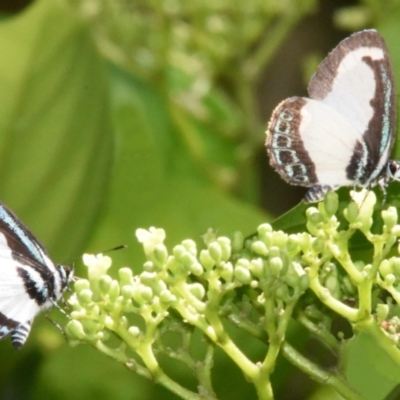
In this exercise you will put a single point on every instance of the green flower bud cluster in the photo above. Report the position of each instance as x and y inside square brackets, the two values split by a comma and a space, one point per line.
[255, 282]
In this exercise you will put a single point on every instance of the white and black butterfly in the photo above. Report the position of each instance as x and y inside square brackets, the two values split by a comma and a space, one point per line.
[29, 281]
[344, 133]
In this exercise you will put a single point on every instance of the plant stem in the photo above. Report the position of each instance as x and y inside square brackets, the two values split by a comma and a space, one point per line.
[318, 374]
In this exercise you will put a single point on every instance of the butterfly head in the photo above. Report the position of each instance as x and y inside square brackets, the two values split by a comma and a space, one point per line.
[393, 171]
[66, 276]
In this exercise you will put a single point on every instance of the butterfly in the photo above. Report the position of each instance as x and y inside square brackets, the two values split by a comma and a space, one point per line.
[343, 135]
[29, 281]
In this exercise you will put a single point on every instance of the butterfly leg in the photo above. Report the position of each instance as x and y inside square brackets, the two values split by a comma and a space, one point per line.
[20, 334]
[383, 183]
[316, 193]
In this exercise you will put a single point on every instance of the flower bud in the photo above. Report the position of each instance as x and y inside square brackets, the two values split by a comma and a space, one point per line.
[125, 275]
[134, 331]
[190, 246]
[206, 260]
[226, 271]
[178, 251]
[145, 293]
[389, 217]
[263, 229]
[226, 249]
[318, 244]
[105, 283]
[331, 204]
[293, 244]
[257, 267]
[259, 247]
[149, 266]
[127, 291]
[385, 268]
[215, 251]
[197, 290]
[304, 282]
[282, 293]
[275, 265]
[314, 217]
[390, 279]
[237, 241]
[279, 239]
[382, 312]
[167, 297]
[242, 275]
[396, 265]
[114, 291]
[75, 329]
[84, 297]
[148, 278]
[81, 284]
[196, 269]
[160, 254]
[351, 212]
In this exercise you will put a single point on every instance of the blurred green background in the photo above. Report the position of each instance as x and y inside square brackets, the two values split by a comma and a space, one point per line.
[120, 114]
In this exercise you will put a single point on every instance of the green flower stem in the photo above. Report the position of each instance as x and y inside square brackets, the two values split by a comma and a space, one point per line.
[145, 351]
[365, 287]
[263, 387]
[318, 374]
[276, 341]
[324, 295]
[379, 243]
[294, 357]
[181, 291]
[343, 256]
[224, 341]
[326, 337]
[269, 317]
[392, 290]
[249, 327]
[203, 372]
[120, 356]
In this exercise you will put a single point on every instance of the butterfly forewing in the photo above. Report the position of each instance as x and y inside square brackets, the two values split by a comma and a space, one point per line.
[29, 281]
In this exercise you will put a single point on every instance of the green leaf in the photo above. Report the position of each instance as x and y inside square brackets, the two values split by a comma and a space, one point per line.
[55, 136]
[370, 369]
[148, 190]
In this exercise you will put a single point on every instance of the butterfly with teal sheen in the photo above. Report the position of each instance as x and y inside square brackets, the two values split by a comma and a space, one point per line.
[29, 281]
[343, 134]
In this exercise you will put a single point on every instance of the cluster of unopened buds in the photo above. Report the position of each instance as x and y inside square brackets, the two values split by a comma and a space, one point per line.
[255, 282]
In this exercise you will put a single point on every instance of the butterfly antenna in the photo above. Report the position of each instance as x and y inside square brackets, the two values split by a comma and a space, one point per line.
[120, 247]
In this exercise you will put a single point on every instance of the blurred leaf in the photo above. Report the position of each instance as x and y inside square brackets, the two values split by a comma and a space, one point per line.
[82, 373]
[389, 29]
[55, 137]
[148, 190]
[370, 369]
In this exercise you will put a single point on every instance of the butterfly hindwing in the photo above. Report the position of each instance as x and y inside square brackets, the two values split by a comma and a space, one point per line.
[305, 145]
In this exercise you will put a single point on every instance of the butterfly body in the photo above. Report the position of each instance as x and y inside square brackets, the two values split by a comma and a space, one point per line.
[29, 281]
[344, 133]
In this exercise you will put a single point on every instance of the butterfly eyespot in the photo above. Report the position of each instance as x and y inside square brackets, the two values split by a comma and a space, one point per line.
[286, 116]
